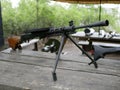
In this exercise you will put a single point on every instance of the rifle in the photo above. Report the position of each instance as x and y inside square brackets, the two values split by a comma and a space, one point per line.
[62, 31]
[100, 52]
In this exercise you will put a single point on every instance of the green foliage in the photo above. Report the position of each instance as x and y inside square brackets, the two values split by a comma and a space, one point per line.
[40, 13]
[8, 16]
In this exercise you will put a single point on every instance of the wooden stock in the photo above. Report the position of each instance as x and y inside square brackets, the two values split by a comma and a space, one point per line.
[13, 41]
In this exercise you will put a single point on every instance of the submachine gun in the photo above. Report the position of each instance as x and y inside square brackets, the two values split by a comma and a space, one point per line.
[65, 34]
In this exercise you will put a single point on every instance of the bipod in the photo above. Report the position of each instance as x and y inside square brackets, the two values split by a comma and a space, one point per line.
[63, 39]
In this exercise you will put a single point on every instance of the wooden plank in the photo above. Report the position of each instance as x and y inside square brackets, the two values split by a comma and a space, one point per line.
[68, 63]
[39, 78]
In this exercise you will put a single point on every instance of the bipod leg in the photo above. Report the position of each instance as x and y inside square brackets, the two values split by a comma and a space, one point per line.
[63, 39]
[95, 64]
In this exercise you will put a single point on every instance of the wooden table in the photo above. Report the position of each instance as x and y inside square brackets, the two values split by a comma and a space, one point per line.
[87, 42]
[96, 38]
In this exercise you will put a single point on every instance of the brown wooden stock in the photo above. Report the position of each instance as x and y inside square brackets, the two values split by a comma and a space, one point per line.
[13, 41]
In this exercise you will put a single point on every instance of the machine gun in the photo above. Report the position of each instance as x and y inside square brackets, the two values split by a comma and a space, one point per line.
[63, 31]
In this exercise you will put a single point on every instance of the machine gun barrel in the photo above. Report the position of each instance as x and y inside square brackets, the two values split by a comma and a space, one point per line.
[97, 24]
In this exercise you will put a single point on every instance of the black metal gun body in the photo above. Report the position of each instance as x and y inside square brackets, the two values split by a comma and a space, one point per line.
[44, 32]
